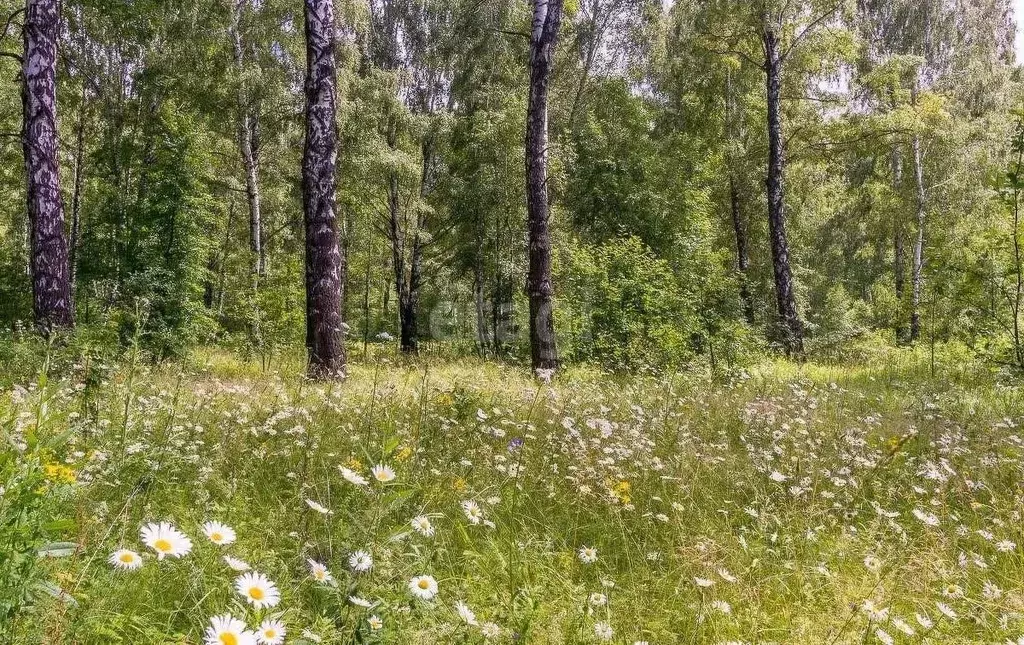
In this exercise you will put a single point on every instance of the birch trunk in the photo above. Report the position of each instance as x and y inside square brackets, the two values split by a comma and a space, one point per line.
[324, 327]
[51, 276]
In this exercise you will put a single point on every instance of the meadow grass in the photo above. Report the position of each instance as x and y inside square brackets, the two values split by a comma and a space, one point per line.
[781, 504]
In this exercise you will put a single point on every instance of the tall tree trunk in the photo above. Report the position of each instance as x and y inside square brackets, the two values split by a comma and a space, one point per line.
[547, 18]
[917, 279]
[791, 325]
[248, 137]
[732, 133]
[898, 241]
[324, 327]
[76, 196]
[51, 277]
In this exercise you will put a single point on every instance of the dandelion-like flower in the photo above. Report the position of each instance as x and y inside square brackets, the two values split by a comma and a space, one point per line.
[320, 572]
[424, 587]
[353, 477]
[587, 554]
[603, 631]
[166, 540]
[219, 534]
[125, 559]
[465, 613]
[473, 512]
[421, 524]
[360, 561]
[228, 630]
[258, 590]
[383, 473]
[271, 632]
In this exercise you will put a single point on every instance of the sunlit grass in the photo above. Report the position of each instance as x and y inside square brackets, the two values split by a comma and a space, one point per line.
[759, 506]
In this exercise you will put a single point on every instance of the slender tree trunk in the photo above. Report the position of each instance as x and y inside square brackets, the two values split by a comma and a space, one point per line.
[732, 132]
[76, 196]
[248, 136]
[898, 241]
[917, 279]
[324, 327]
[51, 277]
[547, 18]
[791, 325]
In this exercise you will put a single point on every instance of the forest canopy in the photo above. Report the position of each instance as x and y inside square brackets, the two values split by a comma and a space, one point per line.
[699, 181]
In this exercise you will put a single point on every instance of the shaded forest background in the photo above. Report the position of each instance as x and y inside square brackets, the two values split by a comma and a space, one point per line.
[181, 138]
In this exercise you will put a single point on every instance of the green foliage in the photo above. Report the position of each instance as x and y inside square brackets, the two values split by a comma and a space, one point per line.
[632, 312]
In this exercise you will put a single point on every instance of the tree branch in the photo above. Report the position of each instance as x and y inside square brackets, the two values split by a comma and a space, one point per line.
[814, 23]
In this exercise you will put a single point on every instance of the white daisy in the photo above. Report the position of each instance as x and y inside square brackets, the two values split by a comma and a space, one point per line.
[587, 554]
[219, 534]
[421, 524]
[465, 613]
[360, 602]
[472, 511]
[375, 622]
[319, 508]
[424, 587]
[352, 476]
[125, 559]
[360, 561]
[271, 632]
[320, 572]
[166, 540]
[603, 631]
[383, 473]
[228, 630]
[236, 564]
[598, 599]
[946, 610]
[258, 590]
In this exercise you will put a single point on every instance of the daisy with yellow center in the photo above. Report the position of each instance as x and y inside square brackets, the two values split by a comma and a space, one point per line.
[228, 630]
[166, 540]
[424, 587]
[125, 559]
[219, 534]
[382, 473]
[258, 590]
[587, 554]
[271, 632]
[375, 622]
[320, 572]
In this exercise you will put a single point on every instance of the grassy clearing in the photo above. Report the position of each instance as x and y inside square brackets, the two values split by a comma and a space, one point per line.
[787, 504]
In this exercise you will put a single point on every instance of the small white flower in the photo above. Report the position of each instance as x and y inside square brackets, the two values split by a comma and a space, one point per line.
[228, 629]
[884, 637]
[360, 602]
[603, 631]
[587, 554]
[258, 590]
[271, 632]
[703, 582]
[320, 572]
[360, 561]
[375, 623]
[421, 524]
[219, 534]
[125, 559]
[383, 473]
[946, 610]
[598, 599]
[236, 564]
[424, 587]
[353, 477]
[319, 508]
[465, 613]
[490, 630]
[472, 511]
[166, 540]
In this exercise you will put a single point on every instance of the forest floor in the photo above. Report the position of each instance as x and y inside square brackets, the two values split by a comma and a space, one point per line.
[781, 504]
